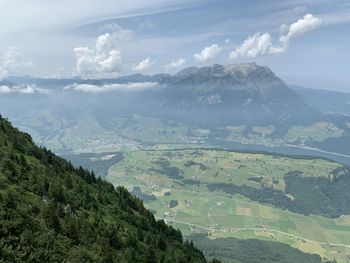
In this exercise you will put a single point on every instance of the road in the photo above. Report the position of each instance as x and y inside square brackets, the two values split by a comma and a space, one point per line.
[209, 229]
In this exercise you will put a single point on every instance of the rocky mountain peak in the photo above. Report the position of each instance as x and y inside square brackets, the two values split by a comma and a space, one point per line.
[236, 71]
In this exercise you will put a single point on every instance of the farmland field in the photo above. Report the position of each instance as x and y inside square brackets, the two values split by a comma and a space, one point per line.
[178, 180]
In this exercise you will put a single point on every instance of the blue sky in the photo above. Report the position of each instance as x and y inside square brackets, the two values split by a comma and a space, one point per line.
[305, 42]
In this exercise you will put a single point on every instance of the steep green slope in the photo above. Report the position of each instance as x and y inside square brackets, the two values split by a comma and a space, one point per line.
[53, 212]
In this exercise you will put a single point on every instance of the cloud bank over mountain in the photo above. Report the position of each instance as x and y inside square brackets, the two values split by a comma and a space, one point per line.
[90, 88]
[22, 89]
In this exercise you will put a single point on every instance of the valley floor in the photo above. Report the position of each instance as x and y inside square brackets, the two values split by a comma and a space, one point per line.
[186, 202]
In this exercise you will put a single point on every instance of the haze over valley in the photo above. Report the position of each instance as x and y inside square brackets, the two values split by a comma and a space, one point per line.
[175, 131]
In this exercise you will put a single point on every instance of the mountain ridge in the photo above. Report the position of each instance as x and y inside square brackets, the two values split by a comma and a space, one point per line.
[231, 94]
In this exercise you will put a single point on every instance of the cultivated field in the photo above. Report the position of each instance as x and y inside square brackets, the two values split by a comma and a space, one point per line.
[169, 176]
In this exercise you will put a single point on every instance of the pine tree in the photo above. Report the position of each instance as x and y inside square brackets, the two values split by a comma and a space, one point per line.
[51, 218]
[151, 257]
[68, 181]
[162, 244]
[114, 240]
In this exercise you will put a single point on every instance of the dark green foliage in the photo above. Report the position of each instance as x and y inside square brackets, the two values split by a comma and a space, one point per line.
[264, 195]
[162, 244]
[50, 216]
[144, 197]
[51, 211]
[173, 203]
[319, 195]
[94, 161]
[329, 197]
[190, 163]
[168, 170]
[68, 181]
[192, 182]
[251, 251]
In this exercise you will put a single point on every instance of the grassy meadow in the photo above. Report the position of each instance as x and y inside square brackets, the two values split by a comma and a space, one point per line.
[198, 210]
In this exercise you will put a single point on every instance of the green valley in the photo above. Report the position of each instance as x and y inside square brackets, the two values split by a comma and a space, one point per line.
[177, 186]
[174, 131]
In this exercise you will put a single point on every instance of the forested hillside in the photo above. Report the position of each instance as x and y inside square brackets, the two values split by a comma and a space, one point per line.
[235, 250]
[53, 212]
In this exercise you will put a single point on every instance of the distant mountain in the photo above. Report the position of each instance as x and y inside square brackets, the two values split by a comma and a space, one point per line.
[6, 83]
[53, 212]
[231, 94]
[211, 96]
[140, 78]
[240, 102]
[326, 101]
[216, 96]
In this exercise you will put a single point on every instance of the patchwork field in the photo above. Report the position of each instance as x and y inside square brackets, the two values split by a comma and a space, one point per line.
[174, 184]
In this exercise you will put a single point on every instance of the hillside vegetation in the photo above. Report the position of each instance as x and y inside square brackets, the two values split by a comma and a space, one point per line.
[53, 212]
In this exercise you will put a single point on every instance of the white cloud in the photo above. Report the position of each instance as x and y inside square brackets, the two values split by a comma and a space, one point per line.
[22, 89]
[103, 59]
[144, 64]
[175, 64]
[111, 87]
[260, 44]
[12, 63]
[304, 25]
[208, 54]
[253, 46]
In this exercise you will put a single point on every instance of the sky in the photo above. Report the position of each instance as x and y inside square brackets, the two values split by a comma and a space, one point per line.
[305, 42]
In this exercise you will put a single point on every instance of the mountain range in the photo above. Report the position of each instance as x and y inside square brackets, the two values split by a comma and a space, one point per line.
[232, 102]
